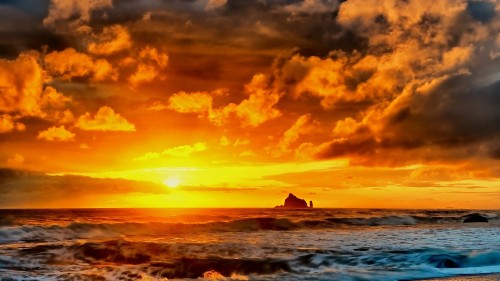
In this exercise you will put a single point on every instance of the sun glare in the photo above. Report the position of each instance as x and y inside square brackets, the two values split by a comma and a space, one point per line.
[172, 182]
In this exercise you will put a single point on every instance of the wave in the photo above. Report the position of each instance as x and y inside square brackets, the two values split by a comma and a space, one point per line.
[38, 233]
[158, 260]
[32, 233]
[376, 221]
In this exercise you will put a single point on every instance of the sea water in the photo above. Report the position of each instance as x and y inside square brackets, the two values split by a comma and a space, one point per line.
[245, 244]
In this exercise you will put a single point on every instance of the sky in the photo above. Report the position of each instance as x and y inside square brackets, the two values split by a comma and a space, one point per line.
[232, 103]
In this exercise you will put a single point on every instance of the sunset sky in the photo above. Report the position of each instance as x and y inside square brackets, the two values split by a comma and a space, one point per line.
[236, 103]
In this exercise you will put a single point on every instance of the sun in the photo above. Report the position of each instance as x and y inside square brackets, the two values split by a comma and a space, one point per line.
[172, 182]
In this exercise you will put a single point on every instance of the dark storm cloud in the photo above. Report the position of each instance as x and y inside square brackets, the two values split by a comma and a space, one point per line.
[22, 186]
[35, 8]
[481, 10]
[454, 115]
[457, 112]
[21, 28]
[460, 112]
[253, 25]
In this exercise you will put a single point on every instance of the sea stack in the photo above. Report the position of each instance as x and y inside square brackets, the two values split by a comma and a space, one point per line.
[293, 202]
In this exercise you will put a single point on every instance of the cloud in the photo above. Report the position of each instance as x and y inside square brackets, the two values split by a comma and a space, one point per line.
[8, 124]
[311, 7]
[259, 106]
[111, 40]
[214, 4]
[54, 106]
[56, 134]
[302, 126]
[339, 78]
[24, 93]
[24, 188]
[67, 9]
[21, 82]
[69, 63]
[177, 151]
[196, 102]
[150, 64]
[253, 111]
[225, 141]
[104, 120]
[53, 99]
[185, 150]
[15, 160]
[408, 89]
[247, 153]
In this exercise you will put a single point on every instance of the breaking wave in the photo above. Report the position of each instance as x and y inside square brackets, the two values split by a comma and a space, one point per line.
[158, 260]
[38, 233]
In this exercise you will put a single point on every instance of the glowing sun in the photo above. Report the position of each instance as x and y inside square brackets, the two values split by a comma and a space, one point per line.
[172, 182]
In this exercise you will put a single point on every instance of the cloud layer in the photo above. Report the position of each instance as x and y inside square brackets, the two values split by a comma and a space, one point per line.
[375, 83]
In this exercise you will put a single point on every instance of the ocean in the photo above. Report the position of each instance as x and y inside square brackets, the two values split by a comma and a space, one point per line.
[245, 244]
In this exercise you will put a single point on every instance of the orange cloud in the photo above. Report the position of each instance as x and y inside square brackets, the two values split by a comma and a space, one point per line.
[177, 151]
[8, 124]
[339, 78]
[61, 117]
[111, 40]
[185, 150]
[66, 9]
[144, 73]
[225, 141]
[56, 134]
[151, 54]
[214, 4]
[52, 98]
[21, 82]
[151, 63]
[15, 161]
[69, 63]
[258, 108]
[302, 126]
[196, 102]
[104, 120]
[22, 93]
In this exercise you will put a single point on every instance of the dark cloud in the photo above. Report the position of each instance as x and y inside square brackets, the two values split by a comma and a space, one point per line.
[481, 10]
[21, 30]
[347, 147]
[19, 186]
[457, 112]
[252, 25]
[35, 8]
